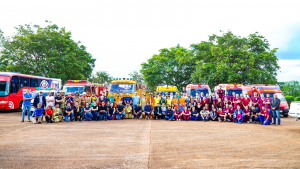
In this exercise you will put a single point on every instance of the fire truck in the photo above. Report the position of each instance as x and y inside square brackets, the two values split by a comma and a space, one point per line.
[123, 85]
[100, 89]
[14, 85]
[270, 89]
[79, 86]
[193, 89]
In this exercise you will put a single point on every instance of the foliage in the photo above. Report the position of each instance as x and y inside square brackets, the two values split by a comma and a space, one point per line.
[232, 59]
[297, 98]
[289, 99]
[101, 77]
[45, 51]
[170, 67]
[137, 76]
[290, 88]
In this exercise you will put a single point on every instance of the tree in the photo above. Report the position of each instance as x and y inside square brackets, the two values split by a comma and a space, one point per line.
[170, 67]
[47, 51]
[101, 77]
[232, 59]
[137, 76]
[291, 88]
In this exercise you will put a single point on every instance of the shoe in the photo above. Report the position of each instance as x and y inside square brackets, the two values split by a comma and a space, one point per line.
[278, 124]
[235, 122]
[39, 122]
[46, 122]
[22, 121]
[273, 123]
[248, 121]
[169, 119]
[179, 119]
[239, 122]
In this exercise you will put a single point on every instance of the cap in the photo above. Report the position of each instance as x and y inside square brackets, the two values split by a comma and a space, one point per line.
[62, 91]
[144, 94]
[135, 92]
[150, 93]
[84, 93]
[76, 92]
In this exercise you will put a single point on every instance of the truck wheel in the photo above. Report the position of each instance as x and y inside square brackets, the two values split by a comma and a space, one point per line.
[20, 106]
[285, 115]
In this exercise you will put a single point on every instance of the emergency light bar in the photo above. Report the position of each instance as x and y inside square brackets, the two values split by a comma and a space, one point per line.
[38, 88]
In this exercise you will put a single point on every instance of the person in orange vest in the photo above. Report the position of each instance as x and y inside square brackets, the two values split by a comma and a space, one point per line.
[175, 102]
[118, 99]
[150, 99]
[182, 100]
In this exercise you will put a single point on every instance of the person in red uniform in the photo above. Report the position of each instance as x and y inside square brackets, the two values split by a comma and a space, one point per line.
[226, 96]
[255, 101]
[220, 92]
[204, 101]
[219, 104]
[226, 101]
[222, 116]
[247, 113]
[246, 101]
[226, 111]
[233, 96]
[264, 116]
[48, 114]
[267, 103]
[231, 111]
[261, 101]
[237, 101]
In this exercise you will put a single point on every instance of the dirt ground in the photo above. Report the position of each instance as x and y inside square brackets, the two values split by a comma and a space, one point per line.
[147, 144]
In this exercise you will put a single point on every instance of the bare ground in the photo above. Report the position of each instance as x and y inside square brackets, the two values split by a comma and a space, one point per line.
[147, 144]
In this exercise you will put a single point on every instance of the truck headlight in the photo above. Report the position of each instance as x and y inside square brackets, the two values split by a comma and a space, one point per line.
[3, 102]
[287, 107]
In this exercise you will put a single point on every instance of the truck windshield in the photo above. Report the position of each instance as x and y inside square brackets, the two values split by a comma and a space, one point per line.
[237, 91]
[194, 91]
[279, 96]
[73, 89]
[122, 88]
[164, 92]
[4, 88]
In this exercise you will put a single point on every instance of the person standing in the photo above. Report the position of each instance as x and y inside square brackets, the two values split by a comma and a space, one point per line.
[112, 99]
[83, 99]
[118, 98]
[267, 103]
[246, 100]
[150, 99]
[175, 102]
[237, 101]
[77, 98]
[181, 100]
[220, 92]
[50, 100]
[275, 110]
[39, 99]
[69, 99]
[128, 99]
[255, 101]
[157, 99]
[135, 100]
[103, 98]
[143, 101]
[58, 99]
[27, 97]
[169, 101]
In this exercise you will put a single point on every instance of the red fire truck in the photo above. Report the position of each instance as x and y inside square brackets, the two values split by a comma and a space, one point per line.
[270, 89]
[80, 86]
[13, 85]
[100, 89]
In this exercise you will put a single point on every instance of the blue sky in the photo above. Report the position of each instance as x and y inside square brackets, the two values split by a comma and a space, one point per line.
[123, 34]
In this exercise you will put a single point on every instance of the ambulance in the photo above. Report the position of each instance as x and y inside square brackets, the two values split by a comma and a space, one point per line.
[295, 110]
[270, 89]
[163, 89]
[230, 88]
[192, 89]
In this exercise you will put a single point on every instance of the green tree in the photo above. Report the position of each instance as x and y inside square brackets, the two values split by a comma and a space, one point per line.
[232, 59]
[290, 88]
[101, 77]
[170, 67]
[45, 51]
[137, 76]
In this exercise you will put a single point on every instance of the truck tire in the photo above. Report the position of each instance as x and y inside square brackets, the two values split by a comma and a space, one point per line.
[20, 106]
[285, 115]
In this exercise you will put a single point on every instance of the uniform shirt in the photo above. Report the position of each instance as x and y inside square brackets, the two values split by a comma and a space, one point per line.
[143, 101]
[181, 108]
[156, 100]
[169, 102]
[227, 97]
[111, 99]
[268, 106]
[120, 108]
[148, 108]
[27, 96]
[128, 109]
[247, 111]
[236, 104]
[135, 100]
[182, 101]
[220, 93]
[49, 112]
[118, 99]
[69, 100]
[37, 112]
[111, 110]
[175, 101]
[127, 100]
[266, 113]
[246, 101]
[255, 100]
[68, 109]
[137, 109]
[102, 108]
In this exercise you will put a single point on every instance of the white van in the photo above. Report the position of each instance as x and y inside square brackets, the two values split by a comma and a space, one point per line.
[295, 109]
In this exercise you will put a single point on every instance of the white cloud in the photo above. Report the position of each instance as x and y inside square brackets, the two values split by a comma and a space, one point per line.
[289, 70]
[123, 34]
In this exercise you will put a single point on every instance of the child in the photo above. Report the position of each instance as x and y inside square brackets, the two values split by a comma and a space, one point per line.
[239, 117]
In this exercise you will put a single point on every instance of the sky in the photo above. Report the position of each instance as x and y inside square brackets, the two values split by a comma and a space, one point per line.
[122, 34]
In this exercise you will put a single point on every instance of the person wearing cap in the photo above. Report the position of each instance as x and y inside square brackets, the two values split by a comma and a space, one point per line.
[77, 98]
[49, 114]
[150, 99]
[92, 99]
[137, 112]
[143, 101]
[83, 99]
[69, 99]
[148, 111]
[68, 112]
[135, 100]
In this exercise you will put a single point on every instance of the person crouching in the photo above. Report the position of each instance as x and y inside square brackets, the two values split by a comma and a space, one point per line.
[49, 114]
[37, 114]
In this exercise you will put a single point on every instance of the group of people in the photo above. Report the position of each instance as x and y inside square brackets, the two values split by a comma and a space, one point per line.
[216, 107]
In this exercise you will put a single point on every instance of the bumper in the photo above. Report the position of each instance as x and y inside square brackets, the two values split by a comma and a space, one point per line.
[284, 112]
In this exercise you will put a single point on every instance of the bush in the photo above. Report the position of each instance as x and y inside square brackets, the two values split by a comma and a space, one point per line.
[289, 99]
[297, 98]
